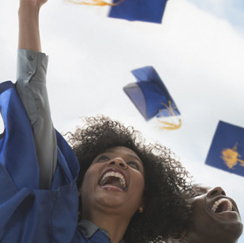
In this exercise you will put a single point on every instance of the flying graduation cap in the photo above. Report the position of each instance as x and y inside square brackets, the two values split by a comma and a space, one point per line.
[227, 149]
[141, 10]
[95, 2]
[151, 97]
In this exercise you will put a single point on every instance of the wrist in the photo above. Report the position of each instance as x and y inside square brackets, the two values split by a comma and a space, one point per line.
[28, 13]
[27, 7]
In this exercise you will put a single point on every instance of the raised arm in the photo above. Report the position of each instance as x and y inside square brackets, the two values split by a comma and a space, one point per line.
[31, 87]
[29, 34]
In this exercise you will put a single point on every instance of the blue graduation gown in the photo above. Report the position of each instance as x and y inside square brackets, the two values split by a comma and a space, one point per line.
[28, 214]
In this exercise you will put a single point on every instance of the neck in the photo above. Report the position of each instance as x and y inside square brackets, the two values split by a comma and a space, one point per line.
[116, 225]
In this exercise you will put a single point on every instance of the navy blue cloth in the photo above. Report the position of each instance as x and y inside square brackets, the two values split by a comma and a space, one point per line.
[28, 214]
[150, 95]
[227, 149]
[142, 10]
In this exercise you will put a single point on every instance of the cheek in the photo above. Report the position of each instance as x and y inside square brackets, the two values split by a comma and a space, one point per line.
[139, 185]
[84, 190]
[199, 219]
[142, 181]
[89, 181]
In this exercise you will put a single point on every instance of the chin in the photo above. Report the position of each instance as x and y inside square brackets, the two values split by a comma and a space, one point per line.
[110, 201]
[235, 231]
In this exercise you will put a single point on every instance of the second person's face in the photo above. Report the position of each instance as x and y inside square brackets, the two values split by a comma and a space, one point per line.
[215, 217]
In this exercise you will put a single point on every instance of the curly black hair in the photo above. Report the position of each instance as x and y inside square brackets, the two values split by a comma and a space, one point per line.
[166, 180]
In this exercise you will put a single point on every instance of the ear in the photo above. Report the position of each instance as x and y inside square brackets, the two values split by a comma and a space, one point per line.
[140, 210]
[141, 207]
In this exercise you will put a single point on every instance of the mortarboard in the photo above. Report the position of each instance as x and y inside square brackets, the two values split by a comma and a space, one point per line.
[142, 10]
[95, 2]
[227, 149]
[150, 95]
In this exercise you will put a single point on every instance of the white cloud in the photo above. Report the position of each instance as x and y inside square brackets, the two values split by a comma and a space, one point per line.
[231, 11]
[198, 55]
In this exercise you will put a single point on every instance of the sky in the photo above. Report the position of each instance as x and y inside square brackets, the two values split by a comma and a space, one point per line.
[231, 11]
[198, 51]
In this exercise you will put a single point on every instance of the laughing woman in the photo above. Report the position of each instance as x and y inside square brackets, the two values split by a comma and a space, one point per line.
[144, 198]
[126, 189]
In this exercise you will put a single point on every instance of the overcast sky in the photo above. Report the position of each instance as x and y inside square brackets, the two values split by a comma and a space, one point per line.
[198, 51]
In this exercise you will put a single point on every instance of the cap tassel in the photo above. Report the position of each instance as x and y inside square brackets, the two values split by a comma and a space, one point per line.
[95, 2]
[169, 125]
[230, 157]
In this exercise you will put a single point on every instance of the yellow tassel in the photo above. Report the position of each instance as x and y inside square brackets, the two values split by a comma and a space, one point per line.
[230, 157]
[95, 3]
[170, 112]
[170, 125]
[169, 109]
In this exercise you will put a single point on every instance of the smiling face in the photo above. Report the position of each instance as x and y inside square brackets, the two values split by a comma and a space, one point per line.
[215, 218]
[114, 183]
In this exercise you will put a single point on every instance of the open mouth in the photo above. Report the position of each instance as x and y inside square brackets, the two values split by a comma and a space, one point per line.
[222, 205]
[114, 179]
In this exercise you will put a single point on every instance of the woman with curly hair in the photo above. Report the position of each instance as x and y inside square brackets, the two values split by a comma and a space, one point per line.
[163, 210]
[128, 189]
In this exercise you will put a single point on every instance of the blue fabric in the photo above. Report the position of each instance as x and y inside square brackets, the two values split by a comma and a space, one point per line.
[18, 163]
[227, 149]
[142, 10]
[149, 94]
[28, 214]
[98, 237]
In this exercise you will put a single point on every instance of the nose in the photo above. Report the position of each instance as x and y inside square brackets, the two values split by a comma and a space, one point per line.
[118, 162]
[215, 192]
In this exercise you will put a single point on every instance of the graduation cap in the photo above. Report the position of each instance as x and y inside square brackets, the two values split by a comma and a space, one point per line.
[150, 95]
[95, 2]
[141, 10]
[227, 149]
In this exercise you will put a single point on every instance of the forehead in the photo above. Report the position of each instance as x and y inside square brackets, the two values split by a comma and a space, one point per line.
[122, 151]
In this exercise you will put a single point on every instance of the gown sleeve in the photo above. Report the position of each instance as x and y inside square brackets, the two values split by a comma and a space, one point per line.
[32, 91]
[28, 213]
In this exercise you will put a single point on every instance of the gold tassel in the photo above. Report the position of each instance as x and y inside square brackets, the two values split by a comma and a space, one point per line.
[230, 157]
[170, 112]
[170, 125]
[95, 3]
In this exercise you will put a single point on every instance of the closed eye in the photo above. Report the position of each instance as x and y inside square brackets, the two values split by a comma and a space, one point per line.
[103, 158]
[133, 165]
[200, 190]
[198, 194]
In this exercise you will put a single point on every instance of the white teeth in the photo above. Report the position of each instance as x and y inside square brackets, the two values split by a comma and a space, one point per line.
[114, 174]
[217, 203]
